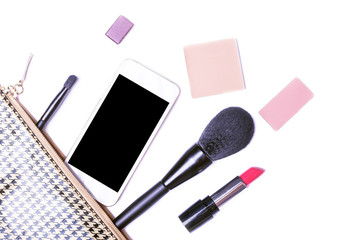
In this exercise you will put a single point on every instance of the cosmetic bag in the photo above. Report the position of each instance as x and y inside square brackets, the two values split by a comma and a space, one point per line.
[40, 198]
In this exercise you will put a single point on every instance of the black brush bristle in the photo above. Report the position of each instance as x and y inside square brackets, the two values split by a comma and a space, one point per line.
[227, 133]
[70, 81]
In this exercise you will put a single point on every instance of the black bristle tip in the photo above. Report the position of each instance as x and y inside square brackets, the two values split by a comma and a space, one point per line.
[227, 133]
[70, 81]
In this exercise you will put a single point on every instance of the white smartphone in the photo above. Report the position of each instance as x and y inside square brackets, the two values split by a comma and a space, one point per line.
[120, 130]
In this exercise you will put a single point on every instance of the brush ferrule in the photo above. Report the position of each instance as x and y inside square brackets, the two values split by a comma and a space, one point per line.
[190, 164]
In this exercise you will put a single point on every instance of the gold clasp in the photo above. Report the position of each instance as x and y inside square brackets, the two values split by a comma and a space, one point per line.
[19, 88]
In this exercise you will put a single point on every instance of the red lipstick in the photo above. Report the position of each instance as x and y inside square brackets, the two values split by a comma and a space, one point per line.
[204, 210]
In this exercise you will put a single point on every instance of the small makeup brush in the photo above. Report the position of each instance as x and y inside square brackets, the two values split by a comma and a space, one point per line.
[55, 104]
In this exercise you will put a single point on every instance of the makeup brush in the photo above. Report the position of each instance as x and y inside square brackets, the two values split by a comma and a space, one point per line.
[227, 133]
[55, 104]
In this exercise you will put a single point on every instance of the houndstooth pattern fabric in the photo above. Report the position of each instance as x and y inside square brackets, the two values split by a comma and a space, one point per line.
[37, 201]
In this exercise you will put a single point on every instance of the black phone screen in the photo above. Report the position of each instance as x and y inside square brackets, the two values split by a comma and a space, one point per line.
[118, 132]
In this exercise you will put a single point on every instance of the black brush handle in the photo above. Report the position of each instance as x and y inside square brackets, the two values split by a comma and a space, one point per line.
[142, 204]
[52, 108]
[190, 164]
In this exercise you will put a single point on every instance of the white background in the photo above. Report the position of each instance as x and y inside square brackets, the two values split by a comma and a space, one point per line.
[310, 189]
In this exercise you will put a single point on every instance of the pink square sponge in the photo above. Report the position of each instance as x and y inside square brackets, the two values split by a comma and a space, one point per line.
[214, 67]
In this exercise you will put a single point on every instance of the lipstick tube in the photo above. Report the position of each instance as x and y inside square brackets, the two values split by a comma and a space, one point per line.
[228, 191]
[204, 210]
